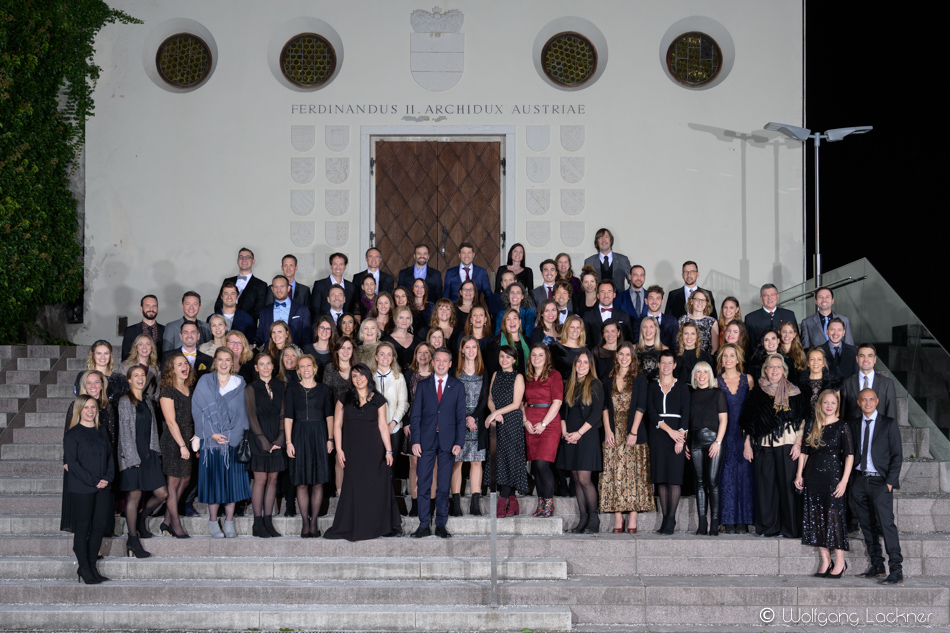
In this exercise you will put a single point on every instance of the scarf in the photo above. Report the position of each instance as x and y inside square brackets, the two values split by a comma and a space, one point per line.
[781, 392]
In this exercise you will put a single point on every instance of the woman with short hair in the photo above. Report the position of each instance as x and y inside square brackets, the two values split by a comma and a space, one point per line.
[708, 419]
[668, 415]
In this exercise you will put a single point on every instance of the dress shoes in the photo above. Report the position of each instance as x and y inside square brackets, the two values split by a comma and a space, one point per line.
[441, 532]
[873, 572]
[422, 532]
[894, 578]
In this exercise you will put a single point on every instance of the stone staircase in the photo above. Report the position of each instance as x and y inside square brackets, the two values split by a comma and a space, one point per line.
[548, 580]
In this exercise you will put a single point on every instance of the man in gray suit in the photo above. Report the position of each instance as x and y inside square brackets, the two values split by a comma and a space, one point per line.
[814, 329]
[867, 378]
[608, 264]
[546, 289]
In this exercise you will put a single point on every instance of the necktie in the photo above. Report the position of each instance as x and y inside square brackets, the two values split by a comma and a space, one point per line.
[866, 386]
[549, 291]
[638, 303]
[837, 354]
[467, 276]
[336, 316]
[606, 261]
[291, 295]
[439, 390]
[864, 445]
[825, 327]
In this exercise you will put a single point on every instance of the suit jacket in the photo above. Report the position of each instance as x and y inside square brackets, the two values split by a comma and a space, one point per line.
[202, 364]
[846, 365]
[540, 295]
[625, 302]
[243, 322]
[298, 320]
[453, 281]
[251, 299]
[386, 281]
[133, 331]
[620, 265]
[448, 415]
[319, 305]
[433, 281]
[758, 321]
[669, 328]
[885, 447]
[172, 337]
[676, 302]
[301, 295]
[813, 330]
[593, 323]
[882, 386]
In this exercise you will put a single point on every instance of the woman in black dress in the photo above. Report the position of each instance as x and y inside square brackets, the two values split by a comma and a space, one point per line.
[581, 452]
[512, 336]
[610, 339]
[243, 354]
[667, 412]
[504, 409]
[515, 264]
[708, 419]
[401, 336]
[573, 339]
[286, 365]
[139, 460]
[178, 378]
[100, 358]
[688, 352]
[816, 379]
[308, 425]
[419, 370]
[264, 400]
[367, 508]
[88, 456]
[324, 338]
[823, 470]
[649, 347]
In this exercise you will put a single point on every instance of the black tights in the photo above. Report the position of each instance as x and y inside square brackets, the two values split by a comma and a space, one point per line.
[264, 493]
[669, 499]
[585, 491]
[132, 507]
[506, 491]
[543, 478]
[309, 505]
[176, 486]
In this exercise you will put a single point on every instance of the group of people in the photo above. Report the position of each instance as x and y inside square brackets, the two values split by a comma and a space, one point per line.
[583, 379]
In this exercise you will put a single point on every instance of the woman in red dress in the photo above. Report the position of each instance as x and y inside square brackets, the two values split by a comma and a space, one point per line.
[543, 394]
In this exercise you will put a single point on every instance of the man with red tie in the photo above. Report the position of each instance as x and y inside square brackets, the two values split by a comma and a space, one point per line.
[437, 428]
[546, 290]
[595, 317]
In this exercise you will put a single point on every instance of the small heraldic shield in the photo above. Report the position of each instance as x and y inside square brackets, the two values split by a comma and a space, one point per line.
[572, 137]
[302, 169]
[301, 234]
[539, 232]
[337, 233]
[572, 169]
[302, 137]
[572, 233]
[301, 201]
[337, 201]
[436, 48]
[572, 201]
[338, 170]
[338, 137]
[539, 201]
[539, 168]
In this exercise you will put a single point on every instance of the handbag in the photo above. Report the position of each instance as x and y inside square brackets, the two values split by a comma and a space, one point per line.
[242, 454]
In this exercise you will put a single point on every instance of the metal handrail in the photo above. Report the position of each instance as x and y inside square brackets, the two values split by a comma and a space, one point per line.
[493, 502]
[832, 286]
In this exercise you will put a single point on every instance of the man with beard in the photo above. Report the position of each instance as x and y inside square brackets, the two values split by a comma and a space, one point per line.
[155, 331]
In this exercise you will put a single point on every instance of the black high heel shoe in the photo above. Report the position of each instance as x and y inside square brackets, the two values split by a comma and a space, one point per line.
[166, 530]
[133, 548]
[98, 576]
[86, 576]
[840, 573]
[824, 574]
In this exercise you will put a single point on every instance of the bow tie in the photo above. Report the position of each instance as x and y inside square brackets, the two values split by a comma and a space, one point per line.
[281, 304]
[192, 354]
[243, 277]
[602, 310]
[563, 311]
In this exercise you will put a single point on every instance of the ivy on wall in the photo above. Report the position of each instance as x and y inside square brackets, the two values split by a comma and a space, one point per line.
[47, 77]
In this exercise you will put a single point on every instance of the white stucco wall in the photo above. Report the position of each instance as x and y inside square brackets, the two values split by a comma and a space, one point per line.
[176, 183]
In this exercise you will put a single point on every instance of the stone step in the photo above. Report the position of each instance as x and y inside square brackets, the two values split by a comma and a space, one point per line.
[33, 452]
[20, 392]
[31, 504]
[3, 420]
[14, 468]
[66, 377]
[45, 351]
[76, 365]
[245, 616]
[299, 569]
[33, 364]
[31, 485]
[11, 405]
[55, 405]
[38, 435]
[23, 377]
[55, 419]
[60, 391]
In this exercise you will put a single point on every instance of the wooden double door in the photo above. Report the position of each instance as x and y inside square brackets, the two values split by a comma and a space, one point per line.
[439, 193]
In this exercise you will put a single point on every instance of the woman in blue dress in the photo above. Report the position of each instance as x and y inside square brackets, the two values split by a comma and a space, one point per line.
[737, 490]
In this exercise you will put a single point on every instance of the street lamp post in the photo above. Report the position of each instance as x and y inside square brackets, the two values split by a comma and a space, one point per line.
[803, 134]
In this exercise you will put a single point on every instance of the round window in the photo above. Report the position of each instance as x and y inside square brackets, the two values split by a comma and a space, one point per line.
[569, 59]
[183, 60]
[694, 59]
[308, 60]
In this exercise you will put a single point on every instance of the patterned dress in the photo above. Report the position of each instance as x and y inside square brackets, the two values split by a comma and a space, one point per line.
[625, 483]
[473, 391]
[824, 520]
[704, 325]
[510, 447]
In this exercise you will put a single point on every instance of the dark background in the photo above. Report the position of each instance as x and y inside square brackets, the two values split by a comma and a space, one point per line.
[879, 190]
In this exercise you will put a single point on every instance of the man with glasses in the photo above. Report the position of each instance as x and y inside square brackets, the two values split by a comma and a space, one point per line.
[251, 290]
[678, 298]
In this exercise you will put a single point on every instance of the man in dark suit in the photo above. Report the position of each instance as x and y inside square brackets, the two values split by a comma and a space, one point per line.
[189, 336]
[563, 299]
[607, 263]
[384, 281]
[633, 300]
[251, 290]
[676, 304]
[842, 358]
[319, 303]
[877, 459]
[299, 293]
[595, 317]
[466, 270]
[438, 433]
[770, 317]
[867, 378]
[236, 318]
[190, 307]
[668, 325]
[296, 316]
[156, 331]
[814, 330]
[546, 289]
[421, 270]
